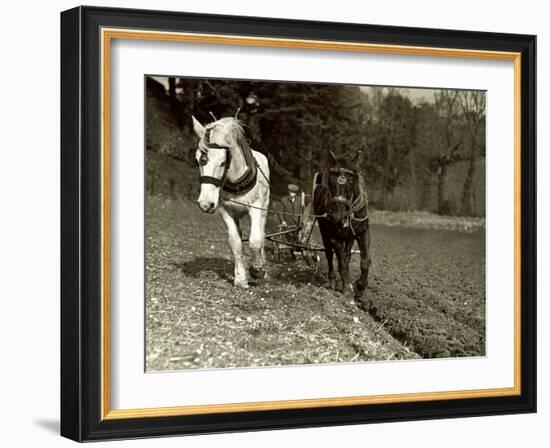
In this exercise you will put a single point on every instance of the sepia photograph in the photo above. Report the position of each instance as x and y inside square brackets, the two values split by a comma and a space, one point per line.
[282, 223]
[294, 223]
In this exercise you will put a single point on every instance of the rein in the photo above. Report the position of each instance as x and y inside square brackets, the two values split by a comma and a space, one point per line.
[324, 215]
[268, 210]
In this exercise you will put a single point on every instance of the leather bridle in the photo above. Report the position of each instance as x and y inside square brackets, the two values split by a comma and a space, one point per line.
[353, 204]
[241, 185]
[218, 182]
[203, 160]
[343, 178]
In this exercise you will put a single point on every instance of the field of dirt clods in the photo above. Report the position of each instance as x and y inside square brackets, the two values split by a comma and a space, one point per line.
[426, 299]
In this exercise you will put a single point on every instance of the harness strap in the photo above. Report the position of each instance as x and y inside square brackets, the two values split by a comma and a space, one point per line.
[341, 170]
[247, 181]
[341, 199]
[242, 185]
[211, 180]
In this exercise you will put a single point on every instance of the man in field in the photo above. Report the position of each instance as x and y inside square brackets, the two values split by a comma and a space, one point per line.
[290, 209]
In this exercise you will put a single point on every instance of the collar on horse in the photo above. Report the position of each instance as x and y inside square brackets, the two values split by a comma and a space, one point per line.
[244, 183]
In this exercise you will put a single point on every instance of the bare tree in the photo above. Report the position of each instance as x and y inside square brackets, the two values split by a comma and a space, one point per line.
[393, 128]
[449, 143]
[472, 104]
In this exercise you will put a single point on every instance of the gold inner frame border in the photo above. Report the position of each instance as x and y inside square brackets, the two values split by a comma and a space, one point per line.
[107, 35]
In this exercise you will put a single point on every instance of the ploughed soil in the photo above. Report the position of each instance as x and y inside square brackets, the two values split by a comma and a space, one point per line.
[426, 298]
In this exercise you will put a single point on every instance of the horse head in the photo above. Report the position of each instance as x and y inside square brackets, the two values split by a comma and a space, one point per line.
[344, 187]
[213, 155]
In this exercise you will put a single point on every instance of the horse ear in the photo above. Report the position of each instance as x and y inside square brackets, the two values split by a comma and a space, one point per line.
[198, 127]
[358, 158]
[332, 157]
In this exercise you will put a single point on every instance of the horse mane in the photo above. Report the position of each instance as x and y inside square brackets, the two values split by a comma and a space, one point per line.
[236, 129]
[239, 134]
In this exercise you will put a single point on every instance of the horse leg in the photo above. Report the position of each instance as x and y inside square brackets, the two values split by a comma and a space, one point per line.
[257, 227]
[238, 224]
[343, 253]
[363, 241]
[262, 227]
[263, 251]
[235, 243]
[329, 254]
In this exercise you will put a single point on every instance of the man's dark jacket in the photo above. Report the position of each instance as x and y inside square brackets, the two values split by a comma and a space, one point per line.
[288, 206]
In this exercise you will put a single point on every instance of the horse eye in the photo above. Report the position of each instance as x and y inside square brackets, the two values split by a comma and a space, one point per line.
[203, 160]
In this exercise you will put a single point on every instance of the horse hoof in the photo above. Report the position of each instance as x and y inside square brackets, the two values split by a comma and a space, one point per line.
[243, 285]
[332, 283]
[257, 273]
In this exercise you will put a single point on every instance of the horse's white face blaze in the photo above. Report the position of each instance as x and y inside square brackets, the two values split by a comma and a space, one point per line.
[210, 164]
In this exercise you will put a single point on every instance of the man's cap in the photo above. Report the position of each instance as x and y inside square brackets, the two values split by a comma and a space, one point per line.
[293, 188]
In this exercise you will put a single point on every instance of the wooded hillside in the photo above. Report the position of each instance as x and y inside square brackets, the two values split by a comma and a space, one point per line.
[426, 154]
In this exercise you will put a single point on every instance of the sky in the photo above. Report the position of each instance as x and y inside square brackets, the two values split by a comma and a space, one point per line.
[416, 95]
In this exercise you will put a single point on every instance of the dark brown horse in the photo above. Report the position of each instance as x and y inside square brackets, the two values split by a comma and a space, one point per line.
[342, 198]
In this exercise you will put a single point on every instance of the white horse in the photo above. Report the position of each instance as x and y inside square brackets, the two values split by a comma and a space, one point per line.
[231, 171]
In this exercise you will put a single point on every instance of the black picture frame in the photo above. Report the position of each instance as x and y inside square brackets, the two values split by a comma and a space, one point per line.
[81, 380]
